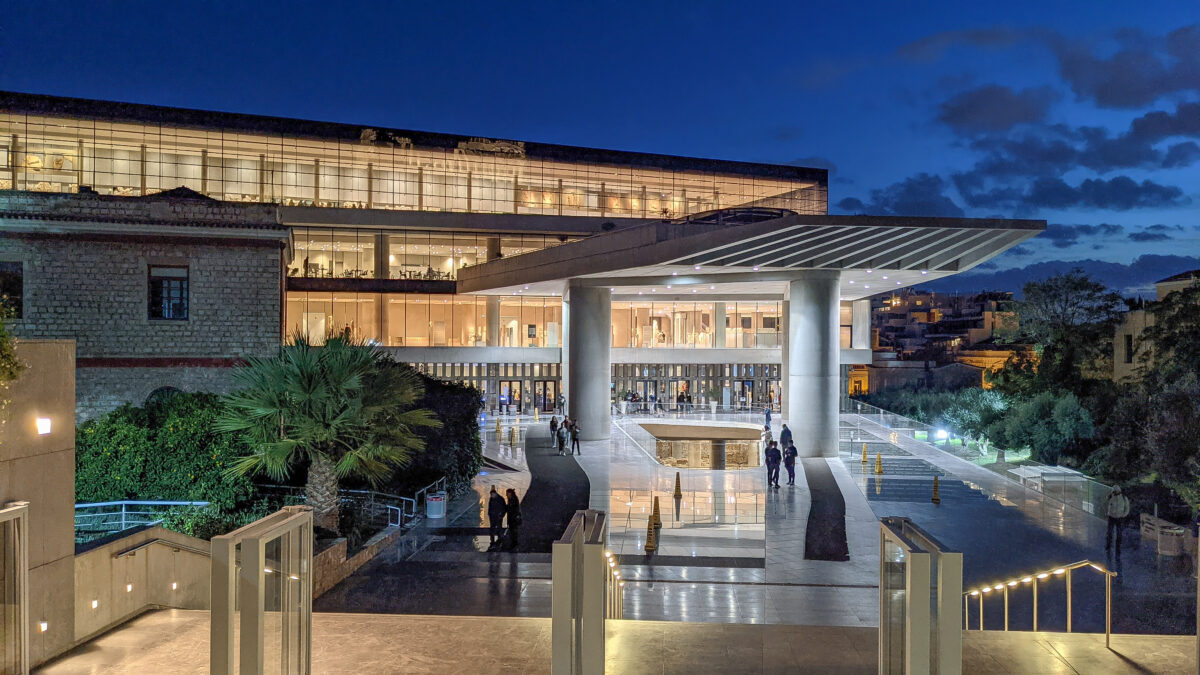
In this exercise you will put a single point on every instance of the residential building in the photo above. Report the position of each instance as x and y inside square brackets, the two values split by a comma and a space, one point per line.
[1126, 350]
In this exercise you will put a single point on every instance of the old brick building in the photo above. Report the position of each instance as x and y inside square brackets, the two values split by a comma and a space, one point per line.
[169, 290]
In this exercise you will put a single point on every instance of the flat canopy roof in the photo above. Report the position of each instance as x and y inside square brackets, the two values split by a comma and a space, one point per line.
[755, 251]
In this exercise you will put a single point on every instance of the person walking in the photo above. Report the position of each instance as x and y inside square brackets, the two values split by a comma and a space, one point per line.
[789, 460]
[496, 510]
[765, 438]
[560, 402]
[1116, 506]
[553, 426]
[513, 511]
[575, 438]
[768, 415]
[773, 459]
[563, 437]
[785, 437]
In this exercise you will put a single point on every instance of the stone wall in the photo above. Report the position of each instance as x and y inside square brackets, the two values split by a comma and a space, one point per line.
[95, 291]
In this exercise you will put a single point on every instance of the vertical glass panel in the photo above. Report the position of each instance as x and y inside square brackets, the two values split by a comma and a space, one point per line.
[11, 556]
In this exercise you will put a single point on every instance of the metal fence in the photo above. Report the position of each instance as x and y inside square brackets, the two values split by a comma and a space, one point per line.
[377, 509]
[1062, 484]
[98, 519]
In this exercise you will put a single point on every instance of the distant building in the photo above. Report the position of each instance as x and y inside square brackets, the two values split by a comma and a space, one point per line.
[1126, 352]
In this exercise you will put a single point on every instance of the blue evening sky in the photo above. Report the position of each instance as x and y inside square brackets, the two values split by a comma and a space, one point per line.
[1085, 114]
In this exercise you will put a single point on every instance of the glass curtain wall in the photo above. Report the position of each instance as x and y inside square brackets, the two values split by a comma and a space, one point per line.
[424, 320]
[687, 325]
[381, 170]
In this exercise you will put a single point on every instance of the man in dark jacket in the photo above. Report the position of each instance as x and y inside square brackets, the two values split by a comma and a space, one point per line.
[773, 457]
[785, 438]
[497, 507]
[789, 459]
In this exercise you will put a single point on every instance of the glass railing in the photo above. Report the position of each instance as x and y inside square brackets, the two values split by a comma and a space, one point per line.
[1059, 483]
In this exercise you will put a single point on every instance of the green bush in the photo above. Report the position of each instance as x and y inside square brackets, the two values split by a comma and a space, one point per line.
[208, 522]
[165, 451]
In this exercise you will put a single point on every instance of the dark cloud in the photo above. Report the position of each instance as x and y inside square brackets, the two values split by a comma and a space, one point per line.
[933, 47]
[920, 195]
[995, 108]
[1135, 278]
[1120, 194]
[1181, 155]
[1148, 236]
[1066, 236]
[815, 162]
[1142, 69]
[1020, 250]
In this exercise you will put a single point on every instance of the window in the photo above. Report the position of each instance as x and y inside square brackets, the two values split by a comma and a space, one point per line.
[168, 293]
[12, 286]
[1128, 348]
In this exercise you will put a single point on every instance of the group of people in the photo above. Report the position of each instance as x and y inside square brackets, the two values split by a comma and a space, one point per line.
[565, 435]
[779, 452]
[499, 509]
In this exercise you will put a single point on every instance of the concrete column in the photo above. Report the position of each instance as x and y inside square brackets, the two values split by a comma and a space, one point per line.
[812, 412]
[784, 353]
[493, 248]
[719, 325]
[493, 321]
[589, 366]
[860, 324]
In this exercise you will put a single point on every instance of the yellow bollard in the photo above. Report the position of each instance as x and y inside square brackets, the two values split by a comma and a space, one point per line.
[518, 420]
[936, 499]
[878, 484]
[497, 428]
[878, 464]
[535, 415]
[678, 487]
[651, 536]
[864, 457]
[514, 436]
[657, 515]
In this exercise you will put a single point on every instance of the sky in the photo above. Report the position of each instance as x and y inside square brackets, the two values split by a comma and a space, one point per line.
[1083, 114]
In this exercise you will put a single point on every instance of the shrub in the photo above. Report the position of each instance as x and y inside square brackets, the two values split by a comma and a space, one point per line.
[210, 521]
[166, 451]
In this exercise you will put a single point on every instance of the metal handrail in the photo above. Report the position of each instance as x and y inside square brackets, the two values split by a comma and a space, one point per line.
[124, 518]
[1034, 578]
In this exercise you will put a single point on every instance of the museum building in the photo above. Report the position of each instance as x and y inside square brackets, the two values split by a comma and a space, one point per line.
[458, 254]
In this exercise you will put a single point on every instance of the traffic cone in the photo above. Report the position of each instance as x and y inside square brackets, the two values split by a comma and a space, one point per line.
[864, 456]
[678, 487]
[936, 499]
[651, 536]
[657, 515]
[878, 464]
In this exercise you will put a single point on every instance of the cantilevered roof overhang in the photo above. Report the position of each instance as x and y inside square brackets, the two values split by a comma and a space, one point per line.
[759, 250]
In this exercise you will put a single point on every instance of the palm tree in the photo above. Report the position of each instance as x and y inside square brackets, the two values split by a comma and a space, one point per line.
[344, 406]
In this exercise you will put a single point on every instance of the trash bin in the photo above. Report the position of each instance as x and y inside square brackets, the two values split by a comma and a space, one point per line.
[435, 505]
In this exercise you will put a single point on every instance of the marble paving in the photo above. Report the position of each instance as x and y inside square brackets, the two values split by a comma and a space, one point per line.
[176, 641]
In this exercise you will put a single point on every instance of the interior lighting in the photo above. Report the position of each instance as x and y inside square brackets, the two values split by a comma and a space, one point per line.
[884, 276]
[43, 426]
[924, 271]
[174, 585]
[608, 554]
[668, 285]
[697, 267]
[866, 285]
[95, 604]
[128, 588]
[711, 287]
[756, 268]
[43, 626]
[897, 283]
[674, 274]
[851, 281]
[869, 271]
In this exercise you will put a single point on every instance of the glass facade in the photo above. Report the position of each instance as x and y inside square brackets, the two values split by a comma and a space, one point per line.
[425, 319]
[378, 170]
[666, 386]
[686, 325]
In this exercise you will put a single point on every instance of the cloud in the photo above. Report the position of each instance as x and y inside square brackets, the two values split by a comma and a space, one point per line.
[1158, 232]
[1020, 250]
[931, 48]
[920, 195]
[1142, 69]
[815, 162]
[995, 108]
[1181, 155]
[1121, 193]
[1066, 236]
[1135, 278]
[1148, 236]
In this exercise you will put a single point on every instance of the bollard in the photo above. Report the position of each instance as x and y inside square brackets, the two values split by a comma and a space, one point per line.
[497, 428]
[651, 536]
[878, 464]
[535, 414]
[879, 484]
[678, 487]
[657, 515]
[936, 499]
[514, 436]
[864, 457]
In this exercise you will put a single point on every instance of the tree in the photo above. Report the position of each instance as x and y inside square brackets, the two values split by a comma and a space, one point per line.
[1072, 318]
[338, 407]
[1172, 349]
[974, 413]
[1049, 425]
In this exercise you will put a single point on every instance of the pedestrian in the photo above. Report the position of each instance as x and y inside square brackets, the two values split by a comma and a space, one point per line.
[513, 511]
[564, 435]
[496, 510]
[553, 426]
[575, 438]
[1117, 508]
[768, 415]
[785, 437]
[789, 461]
[561, 403]
[766, 436]
[773, 458]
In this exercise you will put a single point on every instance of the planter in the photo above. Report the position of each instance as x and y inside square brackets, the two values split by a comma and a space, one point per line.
[712, 406]
[624, 406]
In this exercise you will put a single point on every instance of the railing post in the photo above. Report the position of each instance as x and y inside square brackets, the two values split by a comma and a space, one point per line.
[1036, 581]
[1107, 610]
[1068, 600]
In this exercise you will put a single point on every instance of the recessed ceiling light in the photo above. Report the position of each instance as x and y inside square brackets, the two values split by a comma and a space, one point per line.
[866, 285]
[674, 274]
[756, 268]
[884, 276]
[711, 287]
[869, 271]
[696, 267]
[851, 281]
[897, 283]
[668, 285]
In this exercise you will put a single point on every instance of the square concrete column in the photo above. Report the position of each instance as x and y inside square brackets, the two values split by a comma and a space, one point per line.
[812, 412]
[860, 324]
[492, 336]
[589, 365]
[718, 325]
